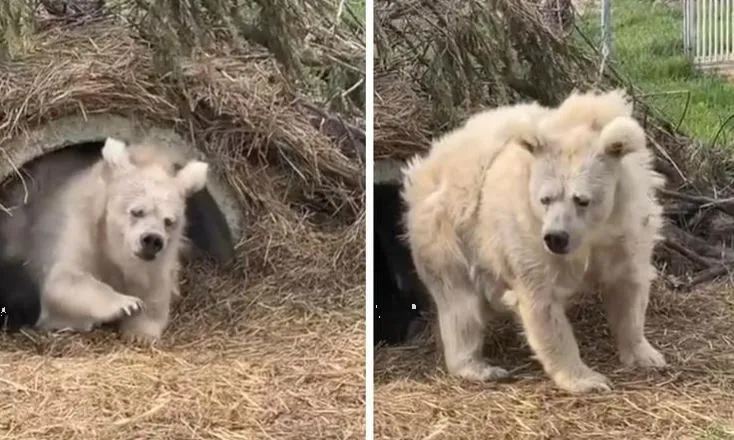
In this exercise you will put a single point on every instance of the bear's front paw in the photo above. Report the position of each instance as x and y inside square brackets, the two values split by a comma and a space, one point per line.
[122, 306]
[138, 337]
[641, 355]
[582, 381]
[141, 329]
[480, 371]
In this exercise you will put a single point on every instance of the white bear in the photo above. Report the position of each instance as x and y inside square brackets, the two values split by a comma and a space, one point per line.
[566, 204]
[104, 246]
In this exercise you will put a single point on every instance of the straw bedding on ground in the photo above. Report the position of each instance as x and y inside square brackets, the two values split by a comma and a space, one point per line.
[415, 398]
[270, 346]
[435, 64]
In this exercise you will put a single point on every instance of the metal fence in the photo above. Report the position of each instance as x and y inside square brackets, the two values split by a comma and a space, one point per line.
[708, 33]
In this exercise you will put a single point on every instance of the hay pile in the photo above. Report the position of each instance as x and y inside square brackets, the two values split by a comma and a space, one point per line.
[437, 63]
[415, 398]
[271, 346]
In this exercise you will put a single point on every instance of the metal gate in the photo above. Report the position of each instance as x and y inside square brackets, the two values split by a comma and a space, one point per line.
[708, 33]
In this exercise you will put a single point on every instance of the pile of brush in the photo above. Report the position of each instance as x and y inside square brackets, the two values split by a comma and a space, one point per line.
[436, 63]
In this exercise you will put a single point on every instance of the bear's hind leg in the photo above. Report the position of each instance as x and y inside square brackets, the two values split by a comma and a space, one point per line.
[77, 297]
[551, 338]
[461, 319]
[625, 300]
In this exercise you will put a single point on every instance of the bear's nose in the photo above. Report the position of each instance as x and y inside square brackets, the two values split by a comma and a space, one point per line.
[557, 242]
[151, 243]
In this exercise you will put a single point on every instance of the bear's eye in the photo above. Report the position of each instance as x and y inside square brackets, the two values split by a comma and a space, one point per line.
[137, 213]
[168, 222]
[581, 201]
[545, 200]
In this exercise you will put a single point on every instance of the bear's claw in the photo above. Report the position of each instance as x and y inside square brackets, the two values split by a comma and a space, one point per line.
[481, 371]
[139, 338]
[127, 306]
[584, 381]
[642, 355]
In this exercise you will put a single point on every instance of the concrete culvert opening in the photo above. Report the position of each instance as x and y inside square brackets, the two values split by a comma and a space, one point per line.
[57, 150]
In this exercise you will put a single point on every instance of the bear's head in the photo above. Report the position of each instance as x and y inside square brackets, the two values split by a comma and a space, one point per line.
[145, 207]
[574, 178]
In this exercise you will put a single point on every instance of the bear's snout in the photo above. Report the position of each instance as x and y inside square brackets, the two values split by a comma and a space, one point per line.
[150, 245]
[557, 242]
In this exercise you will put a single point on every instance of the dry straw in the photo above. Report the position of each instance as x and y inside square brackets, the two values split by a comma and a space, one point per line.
[271, 346]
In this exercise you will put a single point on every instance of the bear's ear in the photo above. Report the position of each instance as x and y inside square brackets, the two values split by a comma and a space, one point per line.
[622, 136]
[115, 153]
[530, 143]
[523, 131]
[192, 177]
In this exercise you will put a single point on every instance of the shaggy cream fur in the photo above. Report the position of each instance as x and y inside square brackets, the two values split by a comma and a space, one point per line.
[104, 246]
[523, 207]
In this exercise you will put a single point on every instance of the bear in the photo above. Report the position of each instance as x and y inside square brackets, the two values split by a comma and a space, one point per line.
[20, 297]
[523, 214]
[103, 246]
[400, 298]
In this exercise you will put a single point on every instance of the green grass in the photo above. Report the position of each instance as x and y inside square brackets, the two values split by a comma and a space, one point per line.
[716, 433]
[360, 9]
[648, 45]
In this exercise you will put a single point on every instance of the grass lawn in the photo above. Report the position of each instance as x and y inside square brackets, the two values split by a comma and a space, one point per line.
[648, 40]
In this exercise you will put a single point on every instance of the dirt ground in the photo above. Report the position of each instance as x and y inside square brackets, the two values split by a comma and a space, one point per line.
[279, 355]
[692, 399]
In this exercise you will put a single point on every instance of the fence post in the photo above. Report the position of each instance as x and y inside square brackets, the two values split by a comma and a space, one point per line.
[606, 29]
[687, 28]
